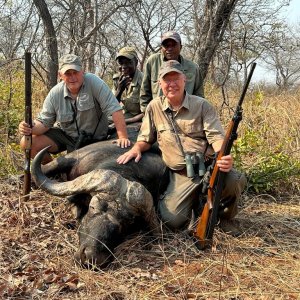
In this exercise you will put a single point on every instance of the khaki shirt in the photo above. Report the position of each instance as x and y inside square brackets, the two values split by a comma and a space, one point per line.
[198, 122]
[131, 96]
[150, 86]
[57, 108]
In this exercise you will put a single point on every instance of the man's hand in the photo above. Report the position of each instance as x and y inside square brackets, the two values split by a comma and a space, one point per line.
[225, 163]
[38, 128]
[24, 128]
[120, 125]
[123, 82]
[127, 156]
[123, 142]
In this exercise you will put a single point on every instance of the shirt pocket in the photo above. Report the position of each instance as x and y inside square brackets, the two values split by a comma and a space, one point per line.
[189, 76]
[163, 127]
[154, 83]
[166, 136]
[65, 120]
[133, 95]
[192, 128]
[85, 102]
[132, 105]
[155, 88]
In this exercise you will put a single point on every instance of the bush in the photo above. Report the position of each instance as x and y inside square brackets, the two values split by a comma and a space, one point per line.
[266, 149]
[263, 168]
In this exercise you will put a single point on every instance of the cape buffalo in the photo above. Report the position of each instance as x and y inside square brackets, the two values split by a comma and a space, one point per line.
[112, 199]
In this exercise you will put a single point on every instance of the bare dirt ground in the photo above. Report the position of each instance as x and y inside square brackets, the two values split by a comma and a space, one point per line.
[38, 240]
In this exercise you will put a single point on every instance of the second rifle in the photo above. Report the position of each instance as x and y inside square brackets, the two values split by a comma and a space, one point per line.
[215, 180]
[28, 120]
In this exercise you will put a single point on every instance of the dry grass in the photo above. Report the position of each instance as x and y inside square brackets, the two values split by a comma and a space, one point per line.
[276, 117]
[38, 242]
[38, 238]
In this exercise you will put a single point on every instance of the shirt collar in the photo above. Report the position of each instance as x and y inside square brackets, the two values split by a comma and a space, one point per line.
[180, 59]
[185, 103]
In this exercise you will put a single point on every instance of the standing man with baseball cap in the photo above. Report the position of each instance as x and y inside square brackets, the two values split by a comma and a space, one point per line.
[127, 84]
[170, 50]
[75, 112]
[184, 124]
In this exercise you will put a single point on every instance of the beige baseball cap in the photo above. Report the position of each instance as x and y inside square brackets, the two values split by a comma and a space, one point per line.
[170, 66]
[173, 35]
[128, 52]
[70, 62]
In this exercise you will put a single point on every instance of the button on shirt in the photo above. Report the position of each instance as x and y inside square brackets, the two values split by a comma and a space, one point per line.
[198, 122]
[57, 108]
[131, 95]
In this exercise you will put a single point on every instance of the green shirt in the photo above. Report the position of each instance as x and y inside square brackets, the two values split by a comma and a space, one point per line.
[150, 86]
[131, 95]
[198, 122]
[95, 101]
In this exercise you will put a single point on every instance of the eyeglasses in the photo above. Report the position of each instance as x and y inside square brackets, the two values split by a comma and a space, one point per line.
[169, 81]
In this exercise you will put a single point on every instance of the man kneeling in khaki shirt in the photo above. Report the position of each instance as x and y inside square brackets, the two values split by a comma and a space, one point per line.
[183, 124]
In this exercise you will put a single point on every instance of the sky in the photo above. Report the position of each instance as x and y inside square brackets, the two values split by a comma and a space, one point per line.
[292, 16]
[293, 12]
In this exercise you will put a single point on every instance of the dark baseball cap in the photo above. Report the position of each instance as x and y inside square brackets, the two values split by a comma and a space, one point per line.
[171, 35]
[128, 52]
[170, 66]
[70, 62]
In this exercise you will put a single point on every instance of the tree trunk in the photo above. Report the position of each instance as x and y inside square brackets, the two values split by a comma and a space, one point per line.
[51, 42]
[211, 28]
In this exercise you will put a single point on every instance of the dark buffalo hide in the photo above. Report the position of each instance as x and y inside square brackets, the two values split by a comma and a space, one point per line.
[113, 199]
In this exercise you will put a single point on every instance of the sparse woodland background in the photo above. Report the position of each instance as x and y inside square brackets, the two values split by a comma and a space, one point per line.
[38, 237]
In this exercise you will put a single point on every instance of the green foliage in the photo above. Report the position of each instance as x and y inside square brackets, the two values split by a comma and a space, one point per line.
[258, 98]
[10, 119]
[10, 159]
[11, 102]
[274, 168]
[264, 167]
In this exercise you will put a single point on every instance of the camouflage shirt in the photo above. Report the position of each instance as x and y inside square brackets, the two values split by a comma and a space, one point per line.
[150, 86]
[130, 97]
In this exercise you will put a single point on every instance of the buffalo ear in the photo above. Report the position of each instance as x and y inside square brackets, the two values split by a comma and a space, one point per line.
[97, 205]
[79, 204]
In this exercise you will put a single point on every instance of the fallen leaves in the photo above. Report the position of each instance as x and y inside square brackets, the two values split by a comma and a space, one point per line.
[37, 247]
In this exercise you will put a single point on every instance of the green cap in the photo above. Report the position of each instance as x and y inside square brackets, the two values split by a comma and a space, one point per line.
[69, 62]
[128, 52]
[173, 35]
[170, 66]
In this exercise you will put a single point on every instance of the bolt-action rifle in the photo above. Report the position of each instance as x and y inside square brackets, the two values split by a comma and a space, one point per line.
[28, 120]
[213, 181]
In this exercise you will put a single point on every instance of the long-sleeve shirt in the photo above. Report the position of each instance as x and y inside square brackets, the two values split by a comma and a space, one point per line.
[150, 86]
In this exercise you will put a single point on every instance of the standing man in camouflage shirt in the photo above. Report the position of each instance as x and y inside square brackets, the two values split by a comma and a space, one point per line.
[170, 50]
[127, 84]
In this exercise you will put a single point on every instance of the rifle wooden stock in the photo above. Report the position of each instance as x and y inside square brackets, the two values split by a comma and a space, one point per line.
[209, 216]
[28, 120]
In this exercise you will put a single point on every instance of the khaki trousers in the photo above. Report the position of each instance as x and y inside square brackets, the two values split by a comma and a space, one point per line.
[175, 206]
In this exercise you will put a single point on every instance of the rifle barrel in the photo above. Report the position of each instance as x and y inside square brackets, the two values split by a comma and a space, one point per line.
[245, 88]
[28, 120]
[209, 217]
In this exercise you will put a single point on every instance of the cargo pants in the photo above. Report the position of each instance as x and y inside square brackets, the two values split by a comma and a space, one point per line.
[176, 204]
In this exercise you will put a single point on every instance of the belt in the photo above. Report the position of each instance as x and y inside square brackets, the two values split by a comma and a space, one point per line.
[181, 172]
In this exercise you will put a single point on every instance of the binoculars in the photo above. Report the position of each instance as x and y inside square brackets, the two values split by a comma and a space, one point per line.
[83, 139]
[195, 164]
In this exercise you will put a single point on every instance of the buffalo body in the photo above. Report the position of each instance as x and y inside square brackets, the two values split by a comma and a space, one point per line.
[112, 200]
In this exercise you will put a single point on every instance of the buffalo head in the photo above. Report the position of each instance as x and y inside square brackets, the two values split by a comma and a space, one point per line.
[117, 205]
